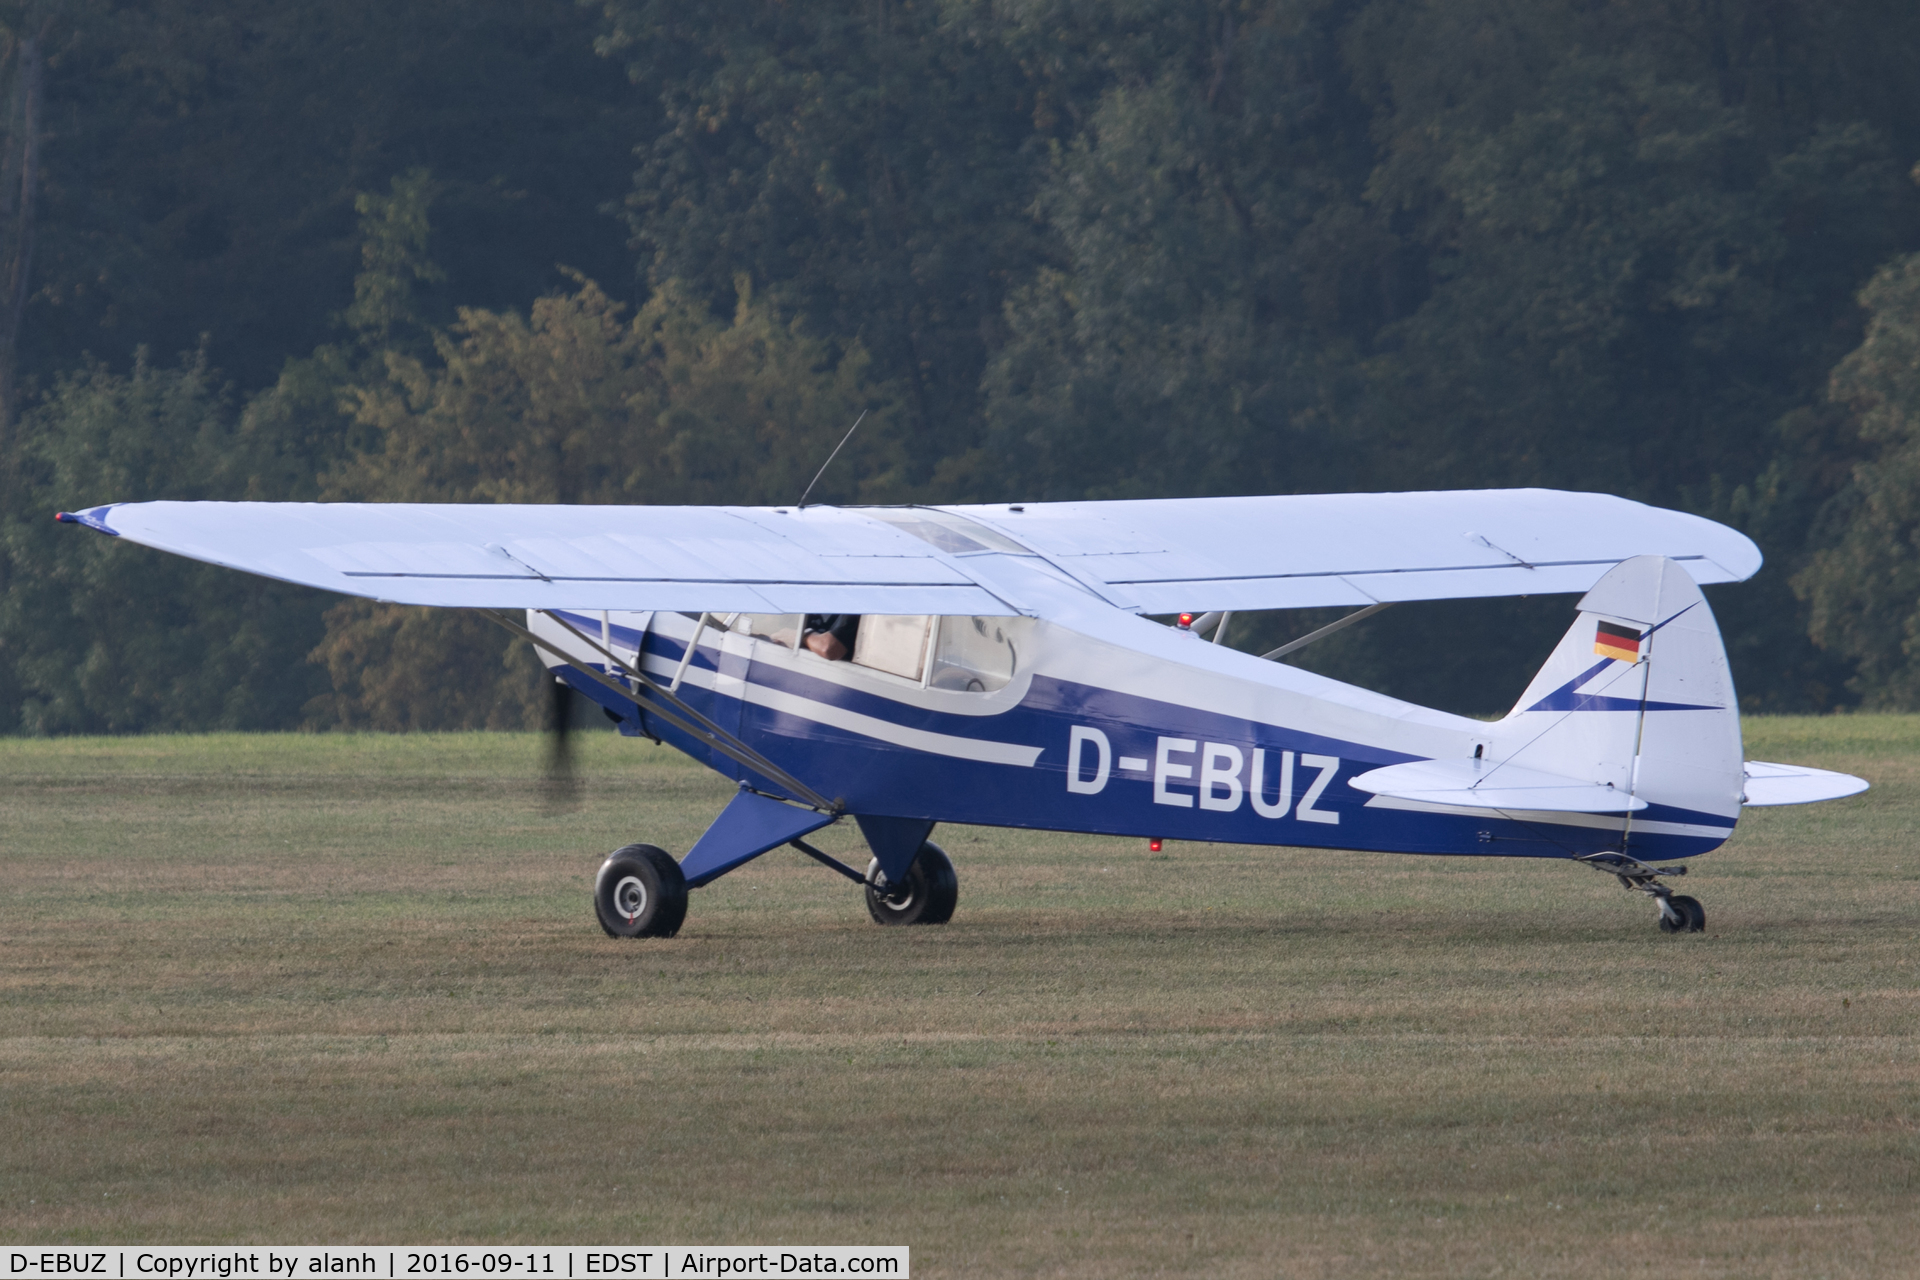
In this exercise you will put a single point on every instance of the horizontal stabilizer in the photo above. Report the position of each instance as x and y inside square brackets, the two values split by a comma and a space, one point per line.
[1773, 784]
[1481, 784]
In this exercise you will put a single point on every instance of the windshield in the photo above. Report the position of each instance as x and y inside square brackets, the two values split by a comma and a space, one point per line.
[953, 534]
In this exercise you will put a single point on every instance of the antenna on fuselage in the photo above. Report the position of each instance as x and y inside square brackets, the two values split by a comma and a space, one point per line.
[830, 457]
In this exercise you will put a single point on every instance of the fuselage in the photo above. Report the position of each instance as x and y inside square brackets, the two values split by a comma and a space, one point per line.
[1095, 721]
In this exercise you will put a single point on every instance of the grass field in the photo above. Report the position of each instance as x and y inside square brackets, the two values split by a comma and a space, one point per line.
[332, 989]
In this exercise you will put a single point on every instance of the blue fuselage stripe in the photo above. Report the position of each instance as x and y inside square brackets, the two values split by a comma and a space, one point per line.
[1170, 770]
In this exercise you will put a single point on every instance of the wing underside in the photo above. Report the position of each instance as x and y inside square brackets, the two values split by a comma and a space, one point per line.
[1158, 556]
[1314, 550]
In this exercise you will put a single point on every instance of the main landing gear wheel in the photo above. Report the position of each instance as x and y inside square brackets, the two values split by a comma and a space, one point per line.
[640, 893]
[927, 895]
[1681, 914]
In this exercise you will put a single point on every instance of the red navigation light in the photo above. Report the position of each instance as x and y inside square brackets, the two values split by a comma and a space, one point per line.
[1153, 845]
[1186, 620]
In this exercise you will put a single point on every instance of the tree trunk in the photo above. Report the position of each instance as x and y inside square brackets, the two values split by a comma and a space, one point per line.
[16, 270]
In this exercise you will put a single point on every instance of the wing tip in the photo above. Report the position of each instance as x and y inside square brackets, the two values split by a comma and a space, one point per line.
[94, 518]
[1749, 560]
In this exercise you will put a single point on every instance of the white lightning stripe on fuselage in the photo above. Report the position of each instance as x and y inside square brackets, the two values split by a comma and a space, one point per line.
[792, 704]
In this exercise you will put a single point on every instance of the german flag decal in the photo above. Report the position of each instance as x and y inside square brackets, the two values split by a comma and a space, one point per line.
[1614, 641]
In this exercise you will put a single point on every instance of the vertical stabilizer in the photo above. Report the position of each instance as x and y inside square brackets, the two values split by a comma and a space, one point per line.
[1638, 695]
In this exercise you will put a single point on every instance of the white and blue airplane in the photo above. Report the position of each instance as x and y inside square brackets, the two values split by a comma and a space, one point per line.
[1005, 670]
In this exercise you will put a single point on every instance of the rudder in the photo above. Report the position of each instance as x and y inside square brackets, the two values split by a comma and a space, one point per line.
[1638, 694]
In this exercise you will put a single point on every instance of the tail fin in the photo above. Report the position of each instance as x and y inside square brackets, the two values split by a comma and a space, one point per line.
[1638, 695]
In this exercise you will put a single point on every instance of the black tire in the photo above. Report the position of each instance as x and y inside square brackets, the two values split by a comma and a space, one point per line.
[640, 893]
[1676, 922]
[927, 896]
[1690, 908]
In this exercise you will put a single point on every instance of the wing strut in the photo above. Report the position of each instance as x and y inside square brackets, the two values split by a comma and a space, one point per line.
[670, 708]
[1325, 631]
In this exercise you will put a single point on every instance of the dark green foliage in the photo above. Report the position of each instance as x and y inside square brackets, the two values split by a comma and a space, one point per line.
[1615, 282]
[204, 158]
[106, 638]
[1864, 586]
[1207, 216]
[868, 164]
[576, 403]
[1060, 248]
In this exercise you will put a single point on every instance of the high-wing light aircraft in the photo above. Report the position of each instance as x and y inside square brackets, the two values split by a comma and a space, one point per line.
[1005, 670]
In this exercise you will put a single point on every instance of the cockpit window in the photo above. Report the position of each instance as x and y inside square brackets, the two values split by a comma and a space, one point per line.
[953, 534]
[978, 655]
[966, 655]
[892, 643]
[781, 628]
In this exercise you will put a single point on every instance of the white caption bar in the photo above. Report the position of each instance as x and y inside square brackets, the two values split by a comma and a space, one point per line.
[517, 1262]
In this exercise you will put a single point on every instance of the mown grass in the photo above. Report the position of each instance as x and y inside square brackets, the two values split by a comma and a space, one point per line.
[329, 989]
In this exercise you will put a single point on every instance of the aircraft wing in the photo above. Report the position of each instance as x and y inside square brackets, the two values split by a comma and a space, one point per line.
[1147, 556]
[1297, 551]
[513, 556]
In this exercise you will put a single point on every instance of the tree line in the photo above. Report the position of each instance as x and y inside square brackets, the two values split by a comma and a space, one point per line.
[472, 250]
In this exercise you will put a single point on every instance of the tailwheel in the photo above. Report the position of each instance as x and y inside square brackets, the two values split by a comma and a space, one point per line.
[640, 893]
[1681, 914]
[1678, 912]
[927, 895]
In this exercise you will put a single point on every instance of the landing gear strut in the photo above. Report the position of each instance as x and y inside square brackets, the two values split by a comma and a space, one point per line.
[1678, 912]
[641, 892]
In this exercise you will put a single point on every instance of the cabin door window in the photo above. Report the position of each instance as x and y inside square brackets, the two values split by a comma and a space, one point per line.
[977, 655]
[894, 644]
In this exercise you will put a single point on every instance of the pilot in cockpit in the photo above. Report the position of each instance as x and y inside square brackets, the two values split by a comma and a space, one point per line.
[831, 635]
